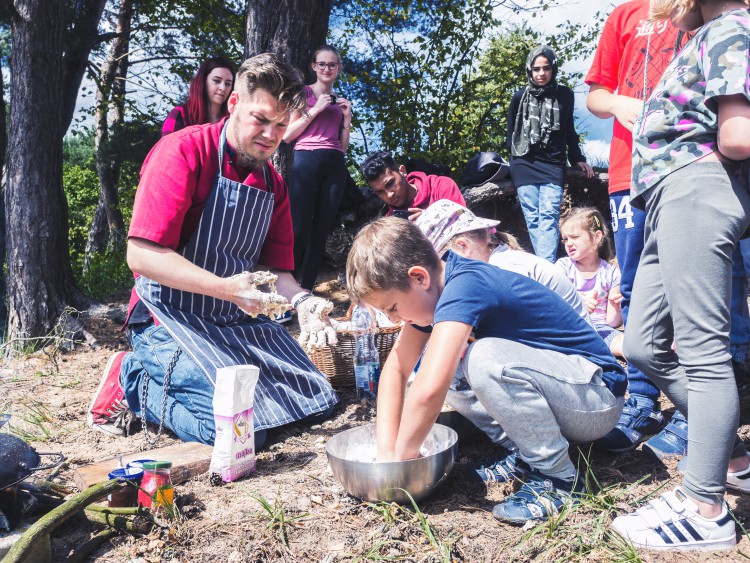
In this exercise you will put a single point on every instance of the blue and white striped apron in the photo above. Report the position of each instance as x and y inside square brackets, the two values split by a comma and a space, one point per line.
[217, 333]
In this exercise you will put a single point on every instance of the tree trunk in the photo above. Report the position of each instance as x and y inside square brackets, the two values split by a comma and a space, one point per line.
[80, 37]
[37, 218]
[110, 114]
[292, 29]
[3, 146]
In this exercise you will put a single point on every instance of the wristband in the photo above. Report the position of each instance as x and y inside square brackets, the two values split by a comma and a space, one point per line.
[299, 298]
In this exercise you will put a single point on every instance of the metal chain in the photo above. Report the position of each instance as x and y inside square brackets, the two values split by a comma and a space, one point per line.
[645, 77]
[167, 376]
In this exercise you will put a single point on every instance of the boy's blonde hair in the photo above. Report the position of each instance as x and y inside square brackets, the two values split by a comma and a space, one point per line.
[663, 9]
[381, 255]
[591, 220]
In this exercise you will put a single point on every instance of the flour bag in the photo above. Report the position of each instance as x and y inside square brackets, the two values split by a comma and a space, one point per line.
[234, 449]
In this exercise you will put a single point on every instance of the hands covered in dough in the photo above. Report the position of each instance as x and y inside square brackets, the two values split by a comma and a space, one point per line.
[315, 326]
[246, 290]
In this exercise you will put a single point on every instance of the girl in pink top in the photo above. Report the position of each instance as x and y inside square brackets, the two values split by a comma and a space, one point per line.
[590, 267]
[319, 174]
[207, 96]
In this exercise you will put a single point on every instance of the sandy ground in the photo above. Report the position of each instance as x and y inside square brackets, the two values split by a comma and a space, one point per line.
[227, 523]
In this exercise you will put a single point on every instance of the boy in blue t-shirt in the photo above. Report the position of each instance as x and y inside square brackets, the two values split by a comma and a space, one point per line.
[537, 367]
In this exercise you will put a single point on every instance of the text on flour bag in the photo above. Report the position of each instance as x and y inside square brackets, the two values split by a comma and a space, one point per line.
[234, 449]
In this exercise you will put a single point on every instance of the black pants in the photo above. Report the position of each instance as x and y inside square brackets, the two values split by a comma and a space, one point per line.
[316, 184]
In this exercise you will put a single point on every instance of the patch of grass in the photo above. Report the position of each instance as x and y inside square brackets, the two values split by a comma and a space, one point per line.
[425, 543]
[374, 553]
[443, 547]
[72, 384]
[59, 338]
[36, 418]
[388, 511]
[277, 518]
[584, 528]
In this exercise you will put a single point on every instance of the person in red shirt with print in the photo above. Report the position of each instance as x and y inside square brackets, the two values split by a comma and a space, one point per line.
[209, 212]
[406, 194]
[629, 61]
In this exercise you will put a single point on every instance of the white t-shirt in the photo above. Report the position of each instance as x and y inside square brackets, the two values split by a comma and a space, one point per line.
[605, 278]
[541, 270]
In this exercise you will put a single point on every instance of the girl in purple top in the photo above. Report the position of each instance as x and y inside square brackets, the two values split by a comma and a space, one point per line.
[319, 175]
[207, 97]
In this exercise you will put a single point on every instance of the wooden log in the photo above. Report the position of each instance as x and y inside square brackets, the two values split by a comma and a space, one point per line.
[39, 531]
[189, 459]
[137, 524]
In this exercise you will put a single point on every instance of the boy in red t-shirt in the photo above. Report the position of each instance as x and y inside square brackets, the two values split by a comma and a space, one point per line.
[406, 194]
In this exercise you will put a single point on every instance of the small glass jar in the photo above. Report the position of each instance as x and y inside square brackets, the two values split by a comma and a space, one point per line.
[157, 490]
[127, 495]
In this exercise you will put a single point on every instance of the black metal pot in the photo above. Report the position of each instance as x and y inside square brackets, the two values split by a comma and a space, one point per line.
[18, 460]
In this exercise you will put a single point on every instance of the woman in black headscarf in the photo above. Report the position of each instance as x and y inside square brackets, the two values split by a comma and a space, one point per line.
[542, 138]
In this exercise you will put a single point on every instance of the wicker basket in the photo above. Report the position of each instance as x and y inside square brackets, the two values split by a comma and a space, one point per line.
[338, 362]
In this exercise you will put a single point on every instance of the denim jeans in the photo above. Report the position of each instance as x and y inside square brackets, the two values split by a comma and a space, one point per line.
[540, 204]
[188, 411]
[540, 398]
[745, 251]
[627, 228]
[739, 334]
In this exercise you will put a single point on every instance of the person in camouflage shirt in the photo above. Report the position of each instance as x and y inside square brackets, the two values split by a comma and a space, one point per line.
[679, 124]
[690, 147]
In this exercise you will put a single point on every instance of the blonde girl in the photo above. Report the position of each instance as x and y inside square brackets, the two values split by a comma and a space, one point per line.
[591, 268]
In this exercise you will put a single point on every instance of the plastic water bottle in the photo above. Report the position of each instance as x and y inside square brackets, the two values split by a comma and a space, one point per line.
[366, 359]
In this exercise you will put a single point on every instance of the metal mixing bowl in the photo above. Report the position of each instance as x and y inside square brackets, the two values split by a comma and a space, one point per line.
[350, 455]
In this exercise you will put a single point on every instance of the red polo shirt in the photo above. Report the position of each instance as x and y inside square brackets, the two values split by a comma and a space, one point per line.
[176, 180]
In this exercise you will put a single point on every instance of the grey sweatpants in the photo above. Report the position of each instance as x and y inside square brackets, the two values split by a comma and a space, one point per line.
[540, 398]
[682, 292]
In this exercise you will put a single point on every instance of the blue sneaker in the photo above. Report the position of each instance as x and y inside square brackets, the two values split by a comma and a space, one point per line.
[506, 468]
[540, 498]
[640, 419]
[670, 442]
[283, 317]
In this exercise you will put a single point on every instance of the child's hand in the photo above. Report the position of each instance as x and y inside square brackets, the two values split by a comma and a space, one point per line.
[626, 110]
[615, 297]
[589, 300]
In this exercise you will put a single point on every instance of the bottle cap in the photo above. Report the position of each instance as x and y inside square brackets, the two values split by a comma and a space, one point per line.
[138, 463]
[151, 465]
[129, 473]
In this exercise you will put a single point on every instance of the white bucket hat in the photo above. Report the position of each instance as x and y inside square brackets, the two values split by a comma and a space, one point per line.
[445, 219]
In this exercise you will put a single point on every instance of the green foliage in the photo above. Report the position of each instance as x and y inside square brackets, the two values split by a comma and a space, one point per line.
[107, 272]
[278, 520]
[78, 149]
[81, 187]
[434, 78]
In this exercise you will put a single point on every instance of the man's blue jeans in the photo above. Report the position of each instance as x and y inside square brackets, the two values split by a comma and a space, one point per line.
[189, 403]
[540, 204]
[188, 411]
